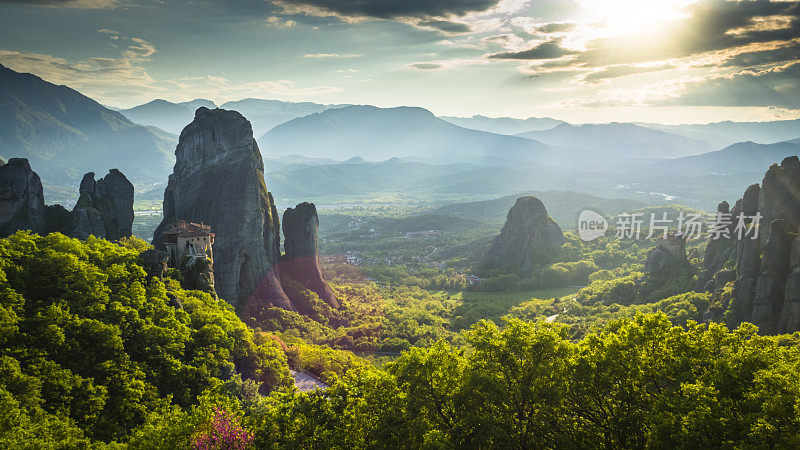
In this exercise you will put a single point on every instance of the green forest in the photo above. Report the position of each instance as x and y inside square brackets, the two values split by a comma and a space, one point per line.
[94, 354]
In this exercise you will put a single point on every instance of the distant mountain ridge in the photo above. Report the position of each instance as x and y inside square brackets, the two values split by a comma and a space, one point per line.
[737, 158]
[65, 134]
[170, 117]
[265, 114]
[618, 140]
[504, 125]
[722, 134]
[406, 132]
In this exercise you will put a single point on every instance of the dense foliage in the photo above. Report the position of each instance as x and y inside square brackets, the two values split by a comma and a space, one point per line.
[89, 346]
[638, 383]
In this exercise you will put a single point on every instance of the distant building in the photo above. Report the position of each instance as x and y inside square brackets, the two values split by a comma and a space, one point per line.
[188, 239]
[676, 244]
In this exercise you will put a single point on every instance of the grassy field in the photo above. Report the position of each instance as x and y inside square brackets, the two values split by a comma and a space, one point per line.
[494, 305]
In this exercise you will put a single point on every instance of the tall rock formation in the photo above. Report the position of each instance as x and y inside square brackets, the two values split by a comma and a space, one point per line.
[104, 208]
[21, 198]
[218, 179]
[780, 196]
[527, 231]
[301, 260]
[766, 290]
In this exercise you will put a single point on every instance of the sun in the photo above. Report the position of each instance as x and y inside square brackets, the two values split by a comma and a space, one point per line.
[632, 15]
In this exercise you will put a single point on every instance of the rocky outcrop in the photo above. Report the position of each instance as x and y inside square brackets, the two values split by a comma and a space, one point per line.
[790, 312]
[21, 198]
[718, 251]
[154, 262]
[301, 260]
[528, 231]
[769, 292]
[780, 196]
[766, 290]
[198, 273]
[218, 179]
[104, 208]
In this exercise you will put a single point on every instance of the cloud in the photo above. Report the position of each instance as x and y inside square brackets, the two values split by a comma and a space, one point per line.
[775, 86]
[385, 9]
[625, 70]
[546, 50]
[219, 87]
[331, 55]
[445, 26]
[427, 66]
[556, 27]
[77, 4]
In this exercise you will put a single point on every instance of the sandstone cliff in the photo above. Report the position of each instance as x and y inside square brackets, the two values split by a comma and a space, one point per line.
[528, 231]
[301, 260]
[218, 179]
[21, 198]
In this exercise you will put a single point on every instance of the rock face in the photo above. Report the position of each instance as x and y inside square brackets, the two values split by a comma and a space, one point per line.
[21, 198]
[301, 261]
[528, 229]
[718, 251]
[780, 196]
[104, 208]
[198, 273]
[766, 290]
[154, 262]
[218, 179]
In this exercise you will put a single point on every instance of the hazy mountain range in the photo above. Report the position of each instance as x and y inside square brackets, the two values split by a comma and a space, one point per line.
[341, 152]
[407, 132]
[65, 134]
[616, 140]
[262, 114]
[504, 125]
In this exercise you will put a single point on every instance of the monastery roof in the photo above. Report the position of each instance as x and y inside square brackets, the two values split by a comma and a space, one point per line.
[189, 229]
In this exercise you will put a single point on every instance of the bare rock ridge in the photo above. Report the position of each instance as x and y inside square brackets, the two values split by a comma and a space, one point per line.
[766, 278]
[528, 229]
[104, 209]
[301, 261]
[218, 179]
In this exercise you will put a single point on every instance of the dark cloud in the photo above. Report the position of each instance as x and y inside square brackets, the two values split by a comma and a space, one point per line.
[556, 27]
[445, 26]
[757, 58]
[713, 25]
[392, 9]
[777, 87]
[426, 66]
[547, 50]
[81, 4]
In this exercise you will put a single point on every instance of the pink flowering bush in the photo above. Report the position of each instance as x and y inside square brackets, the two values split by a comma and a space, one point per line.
[223, 432]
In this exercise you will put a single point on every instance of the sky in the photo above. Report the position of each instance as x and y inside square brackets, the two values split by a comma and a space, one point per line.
[668, 61]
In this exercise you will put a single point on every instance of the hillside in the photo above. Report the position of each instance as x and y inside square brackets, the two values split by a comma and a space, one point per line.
[619, 140]
[65, 134]
[171, 117]
[737, 158]
[380, 133]
[504, 125]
